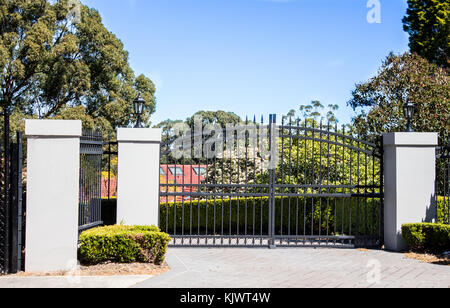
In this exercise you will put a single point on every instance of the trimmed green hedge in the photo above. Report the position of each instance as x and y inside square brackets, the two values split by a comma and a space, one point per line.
[311, 214]
[123, 244]
[344, 213]
[425, 237]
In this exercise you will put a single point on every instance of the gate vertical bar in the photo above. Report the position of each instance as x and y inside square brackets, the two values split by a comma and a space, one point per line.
[20, 231]
[16, 205]
[381, 223]
[2, 215]
[6, 189]
[269, 220]
[272, 204]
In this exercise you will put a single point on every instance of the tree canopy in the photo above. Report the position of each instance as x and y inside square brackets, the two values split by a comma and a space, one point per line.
[315, 111]
[428, 24]
[207, 117]
[215, 117]
[401, 78]
[55, 66]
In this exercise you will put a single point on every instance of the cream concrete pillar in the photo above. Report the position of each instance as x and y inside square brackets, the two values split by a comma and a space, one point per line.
[52, 194]
[410, 171]
[138, 176]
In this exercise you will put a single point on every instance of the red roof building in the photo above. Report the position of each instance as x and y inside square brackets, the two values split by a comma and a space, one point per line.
[183, 176]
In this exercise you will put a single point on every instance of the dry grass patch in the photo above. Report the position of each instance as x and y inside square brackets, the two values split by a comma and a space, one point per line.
[428, 258]
[108, 269]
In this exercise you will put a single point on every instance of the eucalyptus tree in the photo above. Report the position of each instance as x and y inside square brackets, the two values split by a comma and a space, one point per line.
[57, 64]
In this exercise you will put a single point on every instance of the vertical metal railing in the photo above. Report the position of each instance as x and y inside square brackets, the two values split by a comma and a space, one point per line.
[442, 195]
[90, 199]
[11, 215]
[5, 206]
[3, 252]
[339, 181]
[324, 187]
[109, 185]
[16, 187]
[219, 200]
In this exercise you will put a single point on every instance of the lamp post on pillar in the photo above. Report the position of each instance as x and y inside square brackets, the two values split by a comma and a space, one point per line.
[138, 105]
[138, 172]
[409, 110]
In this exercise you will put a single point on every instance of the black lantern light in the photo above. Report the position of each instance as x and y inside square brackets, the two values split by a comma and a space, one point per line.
[139, 104]
[409, 110]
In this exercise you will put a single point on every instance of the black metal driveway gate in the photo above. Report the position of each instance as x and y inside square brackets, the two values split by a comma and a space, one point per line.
[299, 184]
[90, 198]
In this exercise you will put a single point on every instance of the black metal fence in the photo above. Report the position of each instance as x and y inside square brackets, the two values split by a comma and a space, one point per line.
[109, 185]
[11, 203]
[90, 199]
[304, 184]
[442, 202]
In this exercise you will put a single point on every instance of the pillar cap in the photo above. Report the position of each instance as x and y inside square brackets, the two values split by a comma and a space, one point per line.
[53, 128]
[411, 139]
[151, 135]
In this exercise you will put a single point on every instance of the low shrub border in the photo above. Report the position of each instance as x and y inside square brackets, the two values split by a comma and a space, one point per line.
[298, 213]
[346, 214]
[123, 244]
[426, 237]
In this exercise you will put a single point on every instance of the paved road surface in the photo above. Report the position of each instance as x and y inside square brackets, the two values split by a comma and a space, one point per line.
[264, 268]
[289, 268]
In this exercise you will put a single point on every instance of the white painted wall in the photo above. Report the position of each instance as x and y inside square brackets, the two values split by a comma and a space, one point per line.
[52, 194]
[138, 176]
[410, 171]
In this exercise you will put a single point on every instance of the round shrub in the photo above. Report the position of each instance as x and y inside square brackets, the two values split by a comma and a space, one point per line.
[123, 244]
[426, 237]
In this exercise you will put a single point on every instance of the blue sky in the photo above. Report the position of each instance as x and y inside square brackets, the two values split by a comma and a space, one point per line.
[253, 56]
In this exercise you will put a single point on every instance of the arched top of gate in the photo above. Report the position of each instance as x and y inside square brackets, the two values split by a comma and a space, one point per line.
[336, 137]
[340, 139]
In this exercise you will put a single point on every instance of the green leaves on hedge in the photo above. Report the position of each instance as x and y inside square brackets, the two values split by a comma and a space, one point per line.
[425, 237]
[443, 210]
[124, 244]
[294, 215]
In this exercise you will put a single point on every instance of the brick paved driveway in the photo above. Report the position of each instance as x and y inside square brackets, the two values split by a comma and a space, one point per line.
[286, 268]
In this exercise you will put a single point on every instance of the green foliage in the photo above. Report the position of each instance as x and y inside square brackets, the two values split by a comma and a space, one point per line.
[443, 209]
[402, 78]
[54, 67]
[123, 244]
[167, 127]
[432, 238]
[220, 117]
[312, 216]
[428, 25]
[315, 111]
[328, 160]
